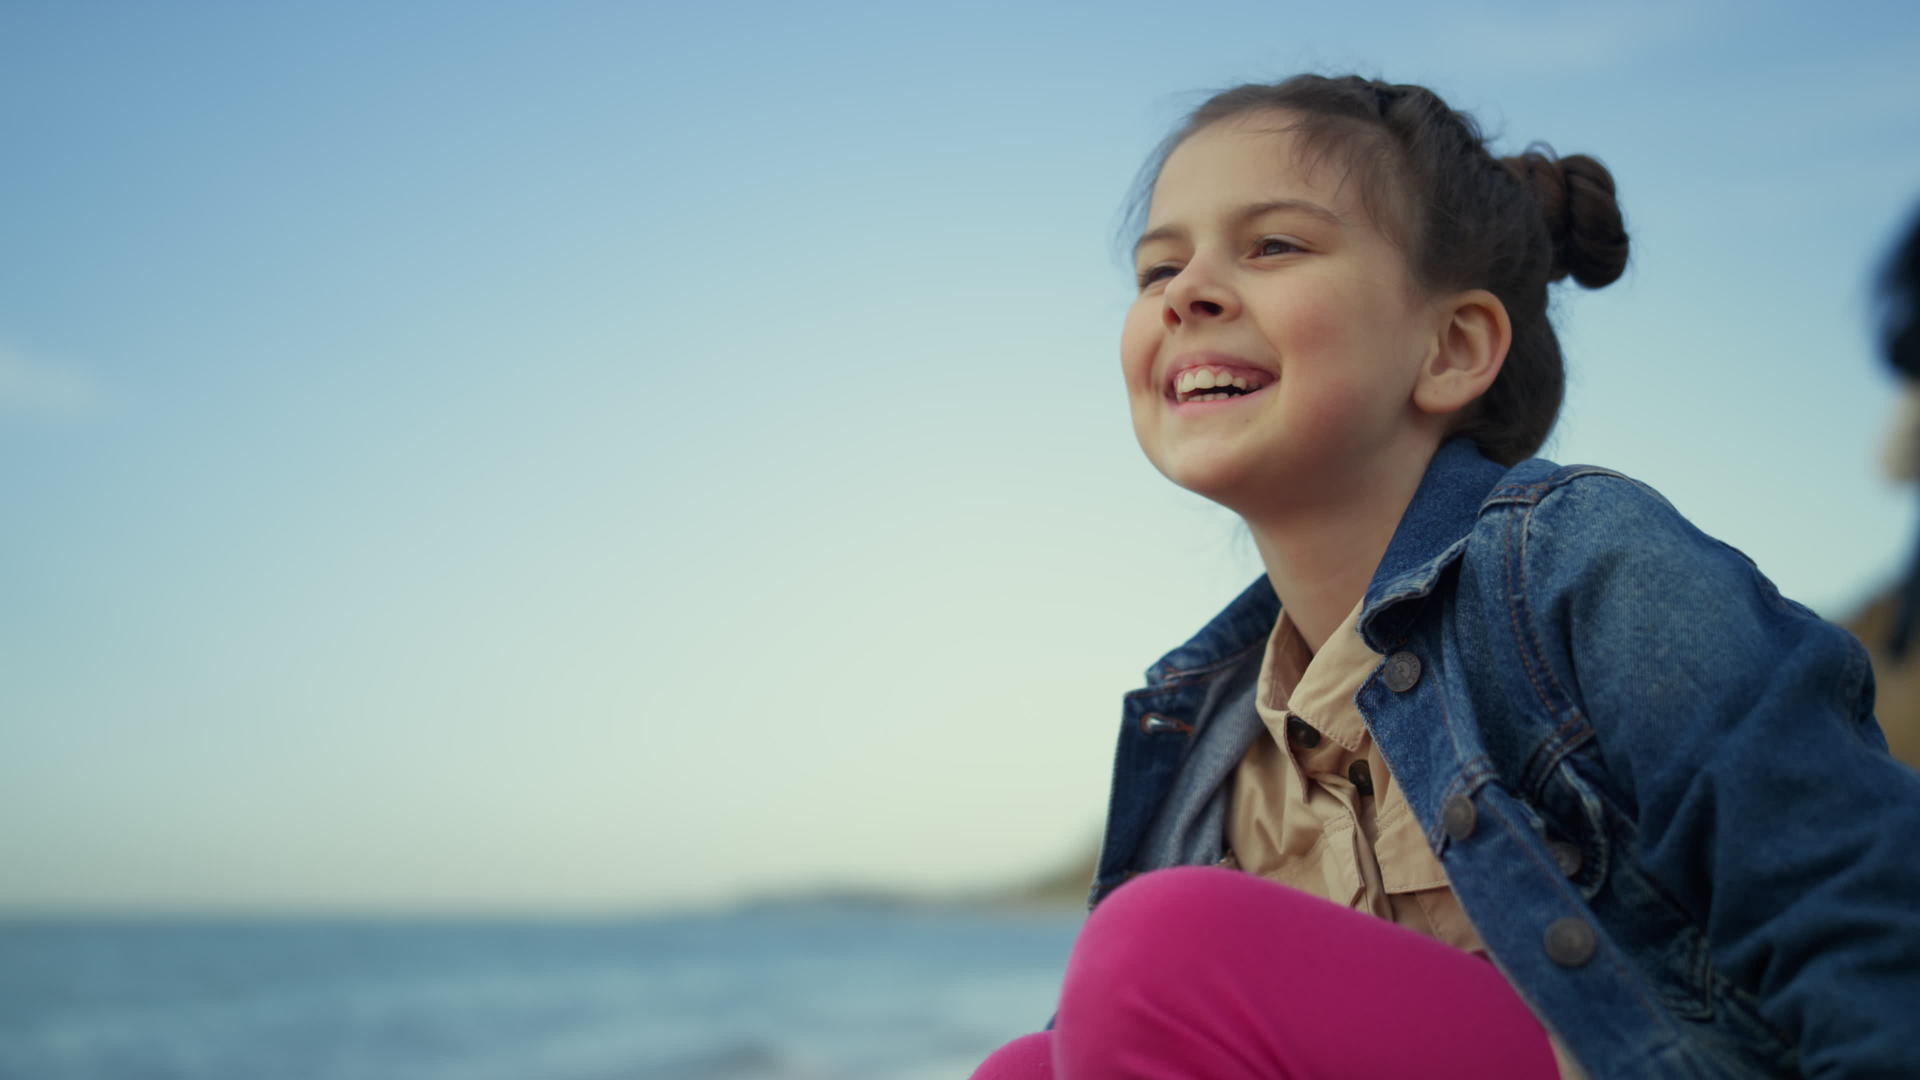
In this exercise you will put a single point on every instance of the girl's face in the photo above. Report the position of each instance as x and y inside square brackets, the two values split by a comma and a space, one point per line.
[1264, 278]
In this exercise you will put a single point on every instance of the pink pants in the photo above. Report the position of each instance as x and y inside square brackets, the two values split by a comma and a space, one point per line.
[1207, 973]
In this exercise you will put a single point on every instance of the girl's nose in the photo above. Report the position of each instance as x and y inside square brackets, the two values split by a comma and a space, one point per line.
[1197, 310]
[1192, 296]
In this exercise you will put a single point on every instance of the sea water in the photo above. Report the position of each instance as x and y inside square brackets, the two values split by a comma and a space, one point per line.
[813, 991]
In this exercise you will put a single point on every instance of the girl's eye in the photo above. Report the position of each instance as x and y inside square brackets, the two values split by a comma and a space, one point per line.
[1275, 245]
[1156, 273]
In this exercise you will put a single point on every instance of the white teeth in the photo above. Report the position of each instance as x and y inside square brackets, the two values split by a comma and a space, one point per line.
[1210, 397]
[1202, 378]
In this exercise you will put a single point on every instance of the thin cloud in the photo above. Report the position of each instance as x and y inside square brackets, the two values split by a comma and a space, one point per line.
[34, 386]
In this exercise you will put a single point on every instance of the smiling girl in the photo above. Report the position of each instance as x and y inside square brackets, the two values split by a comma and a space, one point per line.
[1502, 769]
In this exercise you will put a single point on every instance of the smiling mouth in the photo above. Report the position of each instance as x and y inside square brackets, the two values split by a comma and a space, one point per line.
[1217, 384]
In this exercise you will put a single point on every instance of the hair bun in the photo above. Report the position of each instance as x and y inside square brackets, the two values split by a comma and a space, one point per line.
[1583, 218]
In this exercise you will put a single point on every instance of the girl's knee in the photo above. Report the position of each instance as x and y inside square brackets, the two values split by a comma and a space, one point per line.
[1189, 900]
[1174, 928]
[1029, 1057]
[1168, 892]
[1147, 931]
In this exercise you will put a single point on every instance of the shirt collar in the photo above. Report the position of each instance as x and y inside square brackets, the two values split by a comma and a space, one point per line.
[1316, 687]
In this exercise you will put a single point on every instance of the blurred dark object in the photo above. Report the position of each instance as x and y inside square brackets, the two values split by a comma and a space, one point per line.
[1900, 293]
[1887, 624]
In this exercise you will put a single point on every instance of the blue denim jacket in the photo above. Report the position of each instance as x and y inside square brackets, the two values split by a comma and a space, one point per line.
[1656, 785]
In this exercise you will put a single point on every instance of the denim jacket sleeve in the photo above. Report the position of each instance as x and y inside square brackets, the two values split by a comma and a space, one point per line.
[1737, 729]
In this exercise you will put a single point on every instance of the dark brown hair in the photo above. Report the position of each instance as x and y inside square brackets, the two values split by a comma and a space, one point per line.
[1466, 220]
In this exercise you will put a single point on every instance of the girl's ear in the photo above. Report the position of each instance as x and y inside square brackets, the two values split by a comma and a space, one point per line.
[1471, 345]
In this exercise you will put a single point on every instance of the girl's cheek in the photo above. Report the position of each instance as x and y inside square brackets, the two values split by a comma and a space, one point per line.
[1324, 397]
[1138, 343]
[1316, 330]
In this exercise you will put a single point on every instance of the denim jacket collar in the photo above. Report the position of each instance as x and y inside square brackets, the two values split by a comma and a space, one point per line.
[1431, 535]
[1245, 621]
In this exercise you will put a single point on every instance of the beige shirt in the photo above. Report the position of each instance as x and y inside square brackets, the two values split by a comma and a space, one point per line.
[1315, 807]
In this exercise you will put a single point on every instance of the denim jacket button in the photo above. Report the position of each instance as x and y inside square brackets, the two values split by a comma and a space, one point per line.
[1155, 724]
[1458, 817]
[1566, 855]
[1403, 670]
[1302, 733]
[1570, 942]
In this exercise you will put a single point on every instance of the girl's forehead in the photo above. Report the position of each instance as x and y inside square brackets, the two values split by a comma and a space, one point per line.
[1255, 158]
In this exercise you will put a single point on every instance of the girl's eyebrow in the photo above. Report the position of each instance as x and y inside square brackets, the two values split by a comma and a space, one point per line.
[1245, 213]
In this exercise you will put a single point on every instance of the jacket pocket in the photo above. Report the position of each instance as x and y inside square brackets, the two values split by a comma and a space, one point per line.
[1664, 943]
[1575, 827]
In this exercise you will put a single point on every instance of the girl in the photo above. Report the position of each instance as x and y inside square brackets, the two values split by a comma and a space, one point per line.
[1480, 707]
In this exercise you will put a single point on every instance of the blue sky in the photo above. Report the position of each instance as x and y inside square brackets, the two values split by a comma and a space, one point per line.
[591, 456]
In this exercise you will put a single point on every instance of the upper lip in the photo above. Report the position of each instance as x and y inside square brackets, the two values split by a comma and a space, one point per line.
[1187, 361]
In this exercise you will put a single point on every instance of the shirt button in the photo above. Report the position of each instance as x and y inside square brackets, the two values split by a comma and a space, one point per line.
[1302, 733]
[1403, 670]
[1566, 855]
[1457, 816]
[1361, 777]
[1570, 942]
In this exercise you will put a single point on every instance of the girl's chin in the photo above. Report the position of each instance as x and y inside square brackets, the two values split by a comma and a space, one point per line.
[1229, 483]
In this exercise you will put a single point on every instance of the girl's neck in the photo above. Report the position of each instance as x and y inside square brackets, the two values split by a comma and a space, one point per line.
[1321, 556]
